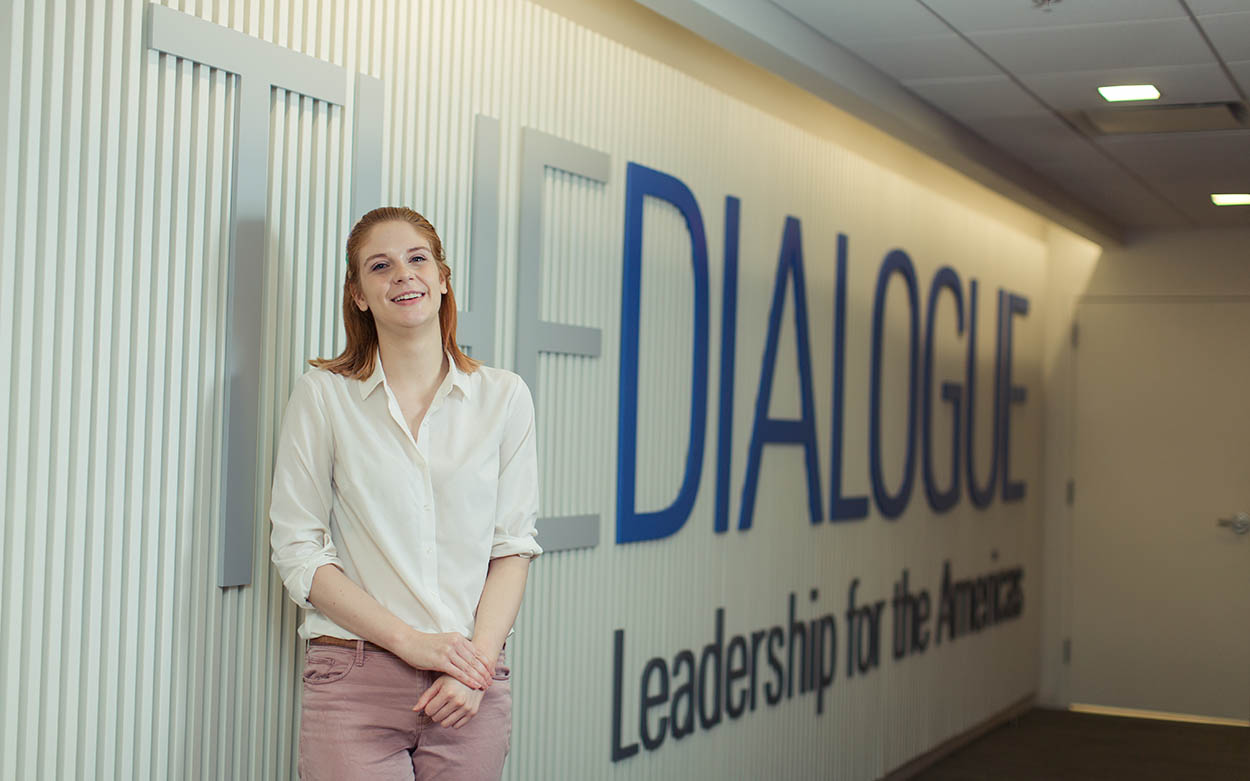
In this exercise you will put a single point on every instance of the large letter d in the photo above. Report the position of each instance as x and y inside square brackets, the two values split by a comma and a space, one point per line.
[633, 526]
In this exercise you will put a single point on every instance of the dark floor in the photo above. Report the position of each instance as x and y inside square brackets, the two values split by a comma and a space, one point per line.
[1043, 745]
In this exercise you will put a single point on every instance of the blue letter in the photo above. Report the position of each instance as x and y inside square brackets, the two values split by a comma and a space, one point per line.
[633, 526]
[848, 508]
[981, 497]
[893, 506]
[728, 332]
[1016, 394]
[941, 501]
[766, 429]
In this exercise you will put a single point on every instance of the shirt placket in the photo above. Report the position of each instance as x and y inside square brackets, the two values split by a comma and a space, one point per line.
[425, 521]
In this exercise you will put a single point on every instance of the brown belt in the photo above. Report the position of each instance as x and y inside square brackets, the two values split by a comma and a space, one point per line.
[342, 643]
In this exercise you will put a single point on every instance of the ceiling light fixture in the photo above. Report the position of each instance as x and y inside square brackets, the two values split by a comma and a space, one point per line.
[1230, 199]
[1119, 92]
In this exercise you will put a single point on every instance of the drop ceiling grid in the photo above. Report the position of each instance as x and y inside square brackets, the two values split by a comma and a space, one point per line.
[1077, 90]
[1241, 72]
[1086, 45]
[1058, 63]
[985, 15]
[1209, 7]
[1009, 71]
[1091, 47]
[1229, 34]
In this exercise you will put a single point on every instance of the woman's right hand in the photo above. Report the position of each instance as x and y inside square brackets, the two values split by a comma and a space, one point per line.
[449, 653]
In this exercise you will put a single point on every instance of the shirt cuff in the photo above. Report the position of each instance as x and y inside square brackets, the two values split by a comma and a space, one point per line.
[299, 582]
[526, 547]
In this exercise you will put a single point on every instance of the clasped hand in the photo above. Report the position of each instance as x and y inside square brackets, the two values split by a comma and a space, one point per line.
[452, 654]
[449, 702]
[454, 697]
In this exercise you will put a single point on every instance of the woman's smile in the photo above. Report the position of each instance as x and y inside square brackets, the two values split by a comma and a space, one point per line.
[408, 298]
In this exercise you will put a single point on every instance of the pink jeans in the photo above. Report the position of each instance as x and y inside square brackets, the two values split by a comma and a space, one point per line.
[357, 722]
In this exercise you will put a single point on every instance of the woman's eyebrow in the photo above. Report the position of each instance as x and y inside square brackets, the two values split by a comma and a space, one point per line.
[384, 255]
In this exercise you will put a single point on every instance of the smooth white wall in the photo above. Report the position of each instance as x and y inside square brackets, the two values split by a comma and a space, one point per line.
[128, 662]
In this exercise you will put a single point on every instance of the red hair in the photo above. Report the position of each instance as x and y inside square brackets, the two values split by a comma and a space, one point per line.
[357, 359]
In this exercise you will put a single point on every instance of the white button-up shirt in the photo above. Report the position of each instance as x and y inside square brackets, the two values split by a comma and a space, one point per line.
[413, 521]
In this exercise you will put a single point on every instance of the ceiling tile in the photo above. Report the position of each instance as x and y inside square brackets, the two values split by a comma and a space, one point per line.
[1078, 166]
[971, 99]
[1045, 144]
[982, 15]
[1078, 90]
[1189, 167]
[939, 56]
[1230, 33]
[1070, 158]
[1223, 159]
[1123, 199]
[1204, 7]
[1029, 132]
[1241, 72]
[878, 19]
[1097, 47]
[1193, 197]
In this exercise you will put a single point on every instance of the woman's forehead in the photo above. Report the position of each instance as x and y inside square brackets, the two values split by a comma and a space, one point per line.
[394, 237]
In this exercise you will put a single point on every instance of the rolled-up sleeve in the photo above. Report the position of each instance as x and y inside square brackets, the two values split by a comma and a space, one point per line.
[302, 497]
[517, 504]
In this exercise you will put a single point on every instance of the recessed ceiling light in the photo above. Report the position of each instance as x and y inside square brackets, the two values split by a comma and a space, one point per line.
[1113, 94]
[1230, 199]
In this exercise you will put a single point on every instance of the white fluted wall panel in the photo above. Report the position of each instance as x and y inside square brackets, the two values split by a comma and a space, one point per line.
[123, 659]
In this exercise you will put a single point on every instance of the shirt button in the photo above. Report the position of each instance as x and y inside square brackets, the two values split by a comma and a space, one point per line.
[428, 508]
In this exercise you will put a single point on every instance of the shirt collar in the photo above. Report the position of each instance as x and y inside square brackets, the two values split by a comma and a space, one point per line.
[457, 378]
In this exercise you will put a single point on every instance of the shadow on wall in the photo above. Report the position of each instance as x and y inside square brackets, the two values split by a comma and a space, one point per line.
[1072, 263]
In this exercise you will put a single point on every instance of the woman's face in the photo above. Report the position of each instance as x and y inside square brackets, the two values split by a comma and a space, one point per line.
[399, 279]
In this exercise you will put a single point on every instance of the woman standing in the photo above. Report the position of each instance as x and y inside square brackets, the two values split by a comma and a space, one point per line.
[404, 498]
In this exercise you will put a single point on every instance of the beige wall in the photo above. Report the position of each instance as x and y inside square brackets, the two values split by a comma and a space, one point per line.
[1192, 263]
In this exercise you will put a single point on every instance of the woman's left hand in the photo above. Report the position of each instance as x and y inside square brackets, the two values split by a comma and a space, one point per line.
[449, 702]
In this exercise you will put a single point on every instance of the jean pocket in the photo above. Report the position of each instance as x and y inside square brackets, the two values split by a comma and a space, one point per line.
[322, 666]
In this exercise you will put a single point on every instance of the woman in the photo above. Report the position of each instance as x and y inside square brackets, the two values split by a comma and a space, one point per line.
[404, 499]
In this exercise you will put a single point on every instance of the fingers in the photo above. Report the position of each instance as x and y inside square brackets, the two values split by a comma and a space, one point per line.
[455, 655]
[464, 662]
[455, 716]
[463, 671]
[449, 713]
[442, 711]
[475, 662]
[428, 695]
[447, 704]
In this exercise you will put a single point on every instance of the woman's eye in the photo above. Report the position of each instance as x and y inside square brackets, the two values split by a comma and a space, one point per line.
[416, 258]
[377, 266]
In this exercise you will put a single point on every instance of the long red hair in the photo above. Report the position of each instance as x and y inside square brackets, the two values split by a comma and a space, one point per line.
[357, 359]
